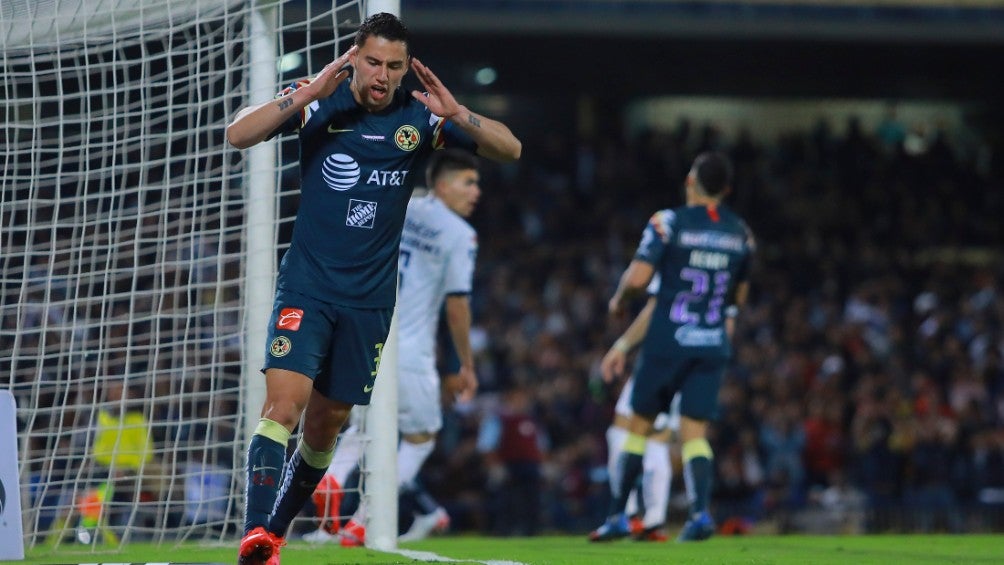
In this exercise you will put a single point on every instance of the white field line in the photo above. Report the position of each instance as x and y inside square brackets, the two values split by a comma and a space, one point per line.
[430, 556]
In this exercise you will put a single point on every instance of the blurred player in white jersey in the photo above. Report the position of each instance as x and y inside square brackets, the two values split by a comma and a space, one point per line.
[657, 476]
[438, 251]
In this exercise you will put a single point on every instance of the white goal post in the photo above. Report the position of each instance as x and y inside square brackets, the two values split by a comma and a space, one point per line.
[138, 254]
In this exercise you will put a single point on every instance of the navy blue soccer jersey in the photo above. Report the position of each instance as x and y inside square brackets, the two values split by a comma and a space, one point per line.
[700, 254]
[358, 169]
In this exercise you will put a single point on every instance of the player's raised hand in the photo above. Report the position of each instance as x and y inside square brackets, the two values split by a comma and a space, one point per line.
[613, 364]
[437, 98]
[331, 76]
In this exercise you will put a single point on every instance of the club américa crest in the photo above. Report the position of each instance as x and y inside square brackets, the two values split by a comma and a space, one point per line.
[407, 137]
[280, 346]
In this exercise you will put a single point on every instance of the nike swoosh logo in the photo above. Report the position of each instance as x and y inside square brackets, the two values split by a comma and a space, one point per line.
[337, 130]
[367, 388]
[256, 469]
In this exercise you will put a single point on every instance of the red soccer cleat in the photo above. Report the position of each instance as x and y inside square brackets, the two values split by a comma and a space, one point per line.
[327, 500]
[655, 534]
[636, 525]
[260, 547]
[274, 560]
[353, 534]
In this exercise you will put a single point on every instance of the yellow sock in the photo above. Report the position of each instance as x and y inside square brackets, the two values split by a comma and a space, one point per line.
[697, 448]
[273, 430]
[635, 444]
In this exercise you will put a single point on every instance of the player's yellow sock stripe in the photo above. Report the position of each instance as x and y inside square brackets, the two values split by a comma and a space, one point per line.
[635, 444]
[316, 459]
[697, 448]
[273, 430]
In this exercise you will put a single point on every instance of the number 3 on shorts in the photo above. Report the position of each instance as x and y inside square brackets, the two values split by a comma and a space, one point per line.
[376, 360]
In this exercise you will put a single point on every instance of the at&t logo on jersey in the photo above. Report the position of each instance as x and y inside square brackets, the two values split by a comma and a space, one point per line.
[387, 178]
[340, 171]
[289, 319]
[361, 214]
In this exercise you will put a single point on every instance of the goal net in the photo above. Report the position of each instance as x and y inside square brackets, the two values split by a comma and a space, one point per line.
[138, 252]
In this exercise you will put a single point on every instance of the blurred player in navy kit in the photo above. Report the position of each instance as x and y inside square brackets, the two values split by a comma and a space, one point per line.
[647, 517]
[363, 145]
[702, 253]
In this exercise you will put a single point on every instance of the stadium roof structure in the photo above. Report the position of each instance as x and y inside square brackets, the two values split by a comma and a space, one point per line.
[944, 49]
[883, 20]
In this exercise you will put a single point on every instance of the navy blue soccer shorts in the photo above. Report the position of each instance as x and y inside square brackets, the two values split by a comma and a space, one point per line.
[697, 379]
[336, 346]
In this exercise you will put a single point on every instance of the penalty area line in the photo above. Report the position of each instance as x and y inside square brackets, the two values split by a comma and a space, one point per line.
[430, 556]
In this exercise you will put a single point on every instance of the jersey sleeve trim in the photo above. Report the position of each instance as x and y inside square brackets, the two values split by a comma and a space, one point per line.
[438, 140]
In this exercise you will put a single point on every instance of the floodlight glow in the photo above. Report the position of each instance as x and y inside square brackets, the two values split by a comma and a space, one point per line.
[290, 62]
[485, 76]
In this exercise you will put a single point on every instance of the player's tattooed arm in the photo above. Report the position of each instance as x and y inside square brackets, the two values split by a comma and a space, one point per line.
[473, 120]
[284, 103]
[255, 124]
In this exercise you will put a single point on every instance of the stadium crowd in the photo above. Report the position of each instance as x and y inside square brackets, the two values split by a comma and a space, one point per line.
[867, 391]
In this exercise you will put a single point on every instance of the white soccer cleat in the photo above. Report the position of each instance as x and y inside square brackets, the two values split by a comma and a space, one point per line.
[437, 521]
[84, 536]
[320, 536]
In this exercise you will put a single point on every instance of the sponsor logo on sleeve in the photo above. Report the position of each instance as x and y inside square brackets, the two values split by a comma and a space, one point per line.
[361, 214]
[289, 319]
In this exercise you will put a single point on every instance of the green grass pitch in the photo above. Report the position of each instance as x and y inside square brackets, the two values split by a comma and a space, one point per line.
[566, 550]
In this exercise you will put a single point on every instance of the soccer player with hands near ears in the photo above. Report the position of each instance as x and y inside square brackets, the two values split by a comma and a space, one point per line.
[364, 143]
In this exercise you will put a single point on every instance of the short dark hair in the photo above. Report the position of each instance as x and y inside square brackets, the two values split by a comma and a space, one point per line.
[446, 161]
[385, 25]
[714, 172]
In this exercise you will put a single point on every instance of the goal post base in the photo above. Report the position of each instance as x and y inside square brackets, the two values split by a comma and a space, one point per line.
[10, 491]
